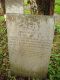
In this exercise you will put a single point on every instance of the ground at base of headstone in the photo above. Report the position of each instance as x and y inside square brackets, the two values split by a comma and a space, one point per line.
[29, 78]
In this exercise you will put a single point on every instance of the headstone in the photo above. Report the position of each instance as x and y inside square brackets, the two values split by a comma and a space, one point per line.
[30, 40]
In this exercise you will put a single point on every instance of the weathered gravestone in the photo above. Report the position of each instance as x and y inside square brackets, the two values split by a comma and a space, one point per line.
[30, 40]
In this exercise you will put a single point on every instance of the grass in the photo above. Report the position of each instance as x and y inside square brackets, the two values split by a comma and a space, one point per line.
[3, 50]
[57, 6]
[57, 1]
[57, 28]
[57, 9]
[1, 18]
[54, 66]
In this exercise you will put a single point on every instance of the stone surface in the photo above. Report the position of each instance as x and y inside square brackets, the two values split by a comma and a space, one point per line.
[30, 41]
[14, 6]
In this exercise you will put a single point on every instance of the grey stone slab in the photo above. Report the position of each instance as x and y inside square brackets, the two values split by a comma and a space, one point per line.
[30, 40]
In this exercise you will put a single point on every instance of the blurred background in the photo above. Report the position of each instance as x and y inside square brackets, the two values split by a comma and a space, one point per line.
[54, 65]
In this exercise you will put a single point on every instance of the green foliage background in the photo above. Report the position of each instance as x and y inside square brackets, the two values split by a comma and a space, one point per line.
[57, 6]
